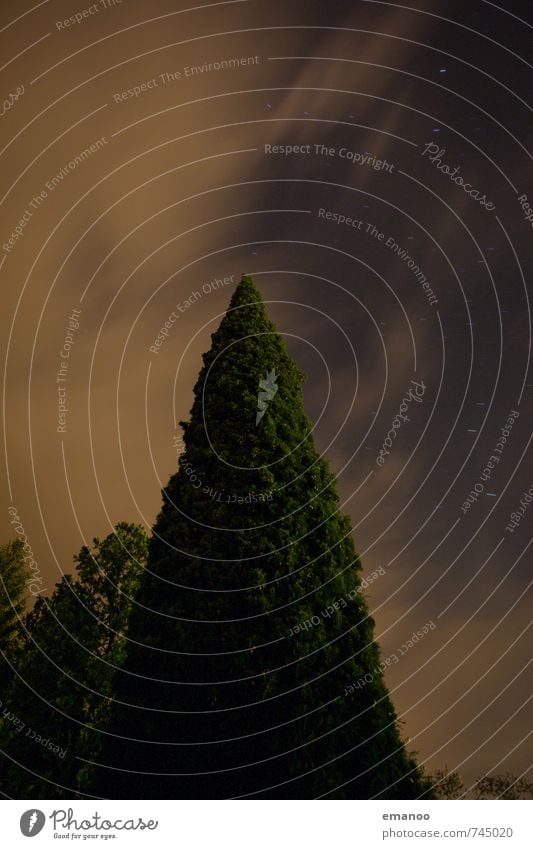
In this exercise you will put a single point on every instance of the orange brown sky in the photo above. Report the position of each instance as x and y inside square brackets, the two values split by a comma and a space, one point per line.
[183, 187]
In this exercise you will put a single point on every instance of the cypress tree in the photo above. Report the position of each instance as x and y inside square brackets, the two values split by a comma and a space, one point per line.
[249, 628]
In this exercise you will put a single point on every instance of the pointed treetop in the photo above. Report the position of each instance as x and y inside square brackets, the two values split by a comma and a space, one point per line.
[248, 379]
[246, 292]
[246, 314]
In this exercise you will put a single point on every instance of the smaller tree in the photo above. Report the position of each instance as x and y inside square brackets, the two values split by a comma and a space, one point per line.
[64, 675]
[112, 571]
[503, 786]
[13, 575]
[447, 785]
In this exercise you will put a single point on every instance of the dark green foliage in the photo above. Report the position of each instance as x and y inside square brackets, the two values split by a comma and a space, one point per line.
[13, 576]
[217, 698]
[65, 667]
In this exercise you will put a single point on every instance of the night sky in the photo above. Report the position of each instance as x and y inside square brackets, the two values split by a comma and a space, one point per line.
[369, 164]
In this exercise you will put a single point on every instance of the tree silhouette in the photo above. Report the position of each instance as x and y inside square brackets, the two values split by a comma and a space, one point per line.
[250, 631]
[64, 669]
[13, 576]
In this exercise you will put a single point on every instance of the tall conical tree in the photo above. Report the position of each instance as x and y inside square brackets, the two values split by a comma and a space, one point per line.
[249, 626]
